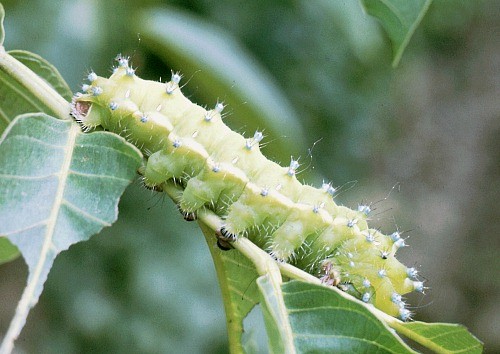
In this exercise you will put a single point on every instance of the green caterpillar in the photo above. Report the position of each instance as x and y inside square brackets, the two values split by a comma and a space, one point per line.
[221, 170]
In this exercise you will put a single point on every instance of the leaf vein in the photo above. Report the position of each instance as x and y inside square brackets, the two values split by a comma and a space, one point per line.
[26, 177]
[394, 11]
[84, 213]
[32, 226]
[23, 95]
[93, 175]
[4, 116]
[38, 141]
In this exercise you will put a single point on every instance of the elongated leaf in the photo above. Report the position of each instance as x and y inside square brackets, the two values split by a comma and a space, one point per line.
[8, 251]
[45, 70]
[58, 186]
[224, 71]
[442, 337]
[237, 277]
[324, 322]
[399, 18]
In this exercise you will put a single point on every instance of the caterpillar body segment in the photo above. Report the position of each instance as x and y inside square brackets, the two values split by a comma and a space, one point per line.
[257, 198]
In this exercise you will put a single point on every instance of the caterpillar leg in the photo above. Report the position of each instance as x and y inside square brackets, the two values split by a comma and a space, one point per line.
[223, 241]
[224, 245]
[188, 216]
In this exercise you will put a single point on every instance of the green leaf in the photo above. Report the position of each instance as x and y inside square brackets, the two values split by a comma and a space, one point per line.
[276, 317]
[399, 18]
[65, 190]
[325, 322]
[224, 71]
[23, 91]
[2, 31]
[45, 70]
[8, 251]
[237, 277]
[442, 337]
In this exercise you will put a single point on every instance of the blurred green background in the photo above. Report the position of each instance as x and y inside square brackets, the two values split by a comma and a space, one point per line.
[147, 285]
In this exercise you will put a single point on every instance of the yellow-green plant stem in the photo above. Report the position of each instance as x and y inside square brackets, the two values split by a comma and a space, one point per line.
[34, 84]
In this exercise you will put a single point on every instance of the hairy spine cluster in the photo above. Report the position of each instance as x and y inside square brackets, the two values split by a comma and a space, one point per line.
[257, 198]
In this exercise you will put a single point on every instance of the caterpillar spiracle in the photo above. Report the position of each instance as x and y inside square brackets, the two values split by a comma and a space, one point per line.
[256, 198]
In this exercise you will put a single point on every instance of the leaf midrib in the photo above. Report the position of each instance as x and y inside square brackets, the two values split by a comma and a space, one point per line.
[58, 201]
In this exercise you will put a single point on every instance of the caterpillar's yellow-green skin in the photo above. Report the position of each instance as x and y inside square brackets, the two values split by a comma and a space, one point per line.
[255, 197]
